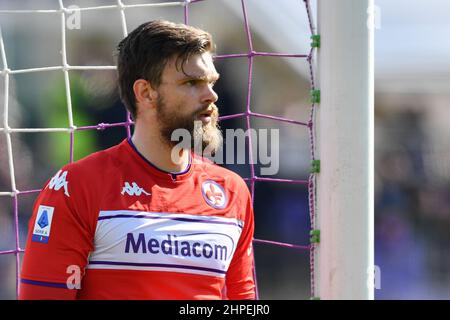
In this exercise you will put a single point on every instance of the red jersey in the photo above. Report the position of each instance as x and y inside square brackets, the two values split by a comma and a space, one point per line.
[128, 230]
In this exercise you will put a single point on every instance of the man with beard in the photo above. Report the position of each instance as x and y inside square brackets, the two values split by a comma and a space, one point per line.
[143, 219]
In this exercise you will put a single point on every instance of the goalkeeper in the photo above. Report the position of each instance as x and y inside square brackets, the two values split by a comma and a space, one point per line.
[148, 218]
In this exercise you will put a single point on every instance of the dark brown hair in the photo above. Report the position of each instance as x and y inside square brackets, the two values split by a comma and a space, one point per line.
[144, 53]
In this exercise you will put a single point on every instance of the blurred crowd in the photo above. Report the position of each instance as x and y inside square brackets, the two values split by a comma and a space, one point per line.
[412, 212]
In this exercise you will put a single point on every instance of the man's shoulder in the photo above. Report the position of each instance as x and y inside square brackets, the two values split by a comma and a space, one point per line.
[95, 164]
[217, 172]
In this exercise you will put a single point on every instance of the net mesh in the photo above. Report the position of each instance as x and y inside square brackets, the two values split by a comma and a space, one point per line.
[247, 114]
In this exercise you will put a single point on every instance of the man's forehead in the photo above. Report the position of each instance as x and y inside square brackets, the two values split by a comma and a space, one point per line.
[197, 65]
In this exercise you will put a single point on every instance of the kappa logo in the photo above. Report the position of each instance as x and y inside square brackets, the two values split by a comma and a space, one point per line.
[133, 189]
[59, 181]
[214, 194]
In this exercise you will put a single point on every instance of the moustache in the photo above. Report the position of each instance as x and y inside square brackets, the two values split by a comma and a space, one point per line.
[210, 108]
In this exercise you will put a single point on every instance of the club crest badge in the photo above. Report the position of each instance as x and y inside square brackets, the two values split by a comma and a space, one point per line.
[214, 194]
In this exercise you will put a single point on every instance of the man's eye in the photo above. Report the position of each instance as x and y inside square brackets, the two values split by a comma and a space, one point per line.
[191, 83]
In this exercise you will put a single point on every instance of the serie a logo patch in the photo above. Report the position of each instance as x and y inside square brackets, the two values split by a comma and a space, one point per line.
[42, 225]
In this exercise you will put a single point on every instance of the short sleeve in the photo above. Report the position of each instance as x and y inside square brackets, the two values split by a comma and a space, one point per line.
[59, 241]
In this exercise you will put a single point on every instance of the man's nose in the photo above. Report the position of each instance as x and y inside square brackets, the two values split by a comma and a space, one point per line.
[209, 96]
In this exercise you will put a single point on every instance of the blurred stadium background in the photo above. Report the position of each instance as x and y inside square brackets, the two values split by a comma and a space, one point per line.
[412, 149]
[412, 134]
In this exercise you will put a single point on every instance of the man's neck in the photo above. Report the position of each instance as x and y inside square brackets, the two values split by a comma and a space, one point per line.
[150, 144]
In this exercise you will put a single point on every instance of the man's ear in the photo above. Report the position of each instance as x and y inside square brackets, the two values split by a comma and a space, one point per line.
[145, 95]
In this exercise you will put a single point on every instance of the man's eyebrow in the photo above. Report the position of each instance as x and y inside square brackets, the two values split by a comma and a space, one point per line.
[213, 77]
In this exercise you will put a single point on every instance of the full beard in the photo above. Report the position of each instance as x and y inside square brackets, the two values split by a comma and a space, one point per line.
[209, 134]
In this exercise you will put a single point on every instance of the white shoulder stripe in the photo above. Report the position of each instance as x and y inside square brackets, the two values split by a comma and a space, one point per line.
[114, 214]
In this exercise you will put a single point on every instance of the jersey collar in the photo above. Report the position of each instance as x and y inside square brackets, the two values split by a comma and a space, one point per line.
[154, 170]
